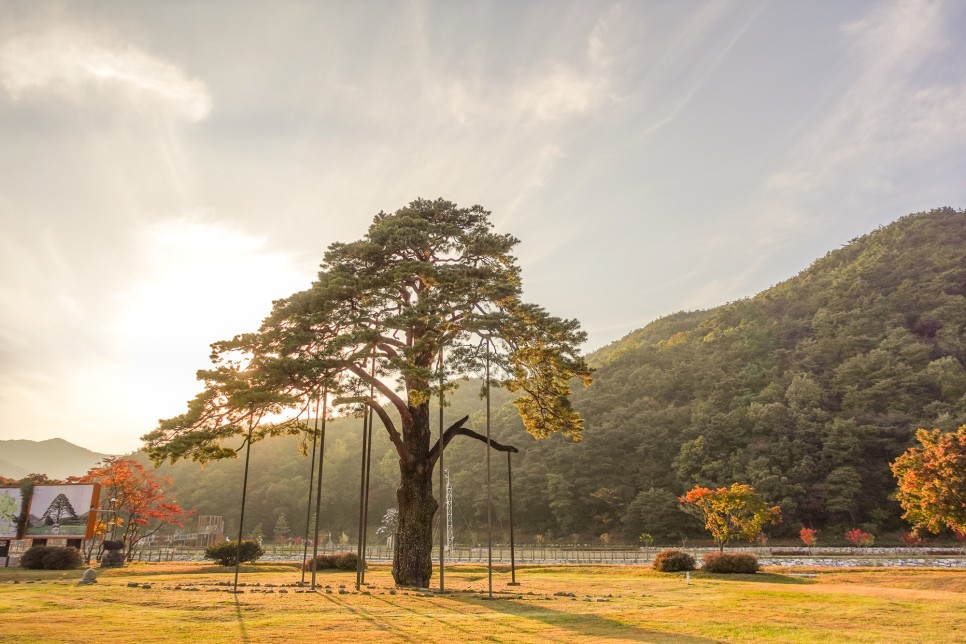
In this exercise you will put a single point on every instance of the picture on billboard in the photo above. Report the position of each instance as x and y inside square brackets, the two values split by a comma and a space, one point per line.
[58, 511]
[11, 505]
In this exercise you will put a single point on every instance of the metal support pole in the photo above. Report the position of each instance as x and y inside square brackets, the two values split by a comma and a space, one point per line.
[241, 519]
[489, 503]
[509, 485]
[442, 497]
[318, 480]
[308, 504]
[364, 533]
[362, 498]
[365, 511]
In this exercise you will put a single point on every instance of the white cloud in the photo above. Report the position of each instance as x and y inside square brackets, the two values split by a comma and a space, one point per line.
[560, 93]
[78, 66]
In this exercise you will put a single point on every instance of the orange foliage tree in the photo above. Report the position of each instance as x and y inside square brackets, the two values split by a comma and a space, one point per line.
[729, 513]
[809, 536]
[932, 480]
[134, 501]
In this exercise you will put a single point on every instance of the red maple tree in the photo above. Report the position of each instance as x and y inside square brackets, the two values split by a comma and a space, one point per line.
[134, 501]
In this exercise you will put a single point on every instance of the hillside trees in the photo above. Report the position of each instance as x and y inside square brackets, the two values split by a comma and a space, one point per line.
[806, 391]
[428, 280]
[765, 390]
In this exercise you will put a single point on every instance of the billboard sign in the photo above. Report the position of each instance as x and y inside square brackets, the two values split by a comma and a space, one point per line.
[62, 511]
[11, 505]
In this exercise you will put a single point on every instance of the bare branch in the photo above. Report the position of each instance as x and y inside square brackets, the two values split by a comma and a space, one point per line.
[457, 429]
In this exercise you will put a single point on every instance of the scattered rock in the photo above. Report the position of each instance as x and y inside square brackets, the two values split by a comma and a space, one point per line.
[89, 577]
[133, 584]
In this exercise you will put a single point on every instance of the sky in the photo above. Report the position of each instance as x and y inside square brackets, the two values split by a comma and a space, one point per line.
[167, 169]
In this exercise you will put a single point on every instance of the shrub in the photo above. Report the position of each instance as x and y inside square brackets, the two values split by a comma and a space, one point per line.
[808, 536]
[224, 554]
[731, 563]
[51, 558]
[339, 561]
[321, 562]
[911, 539]
[346, 561]
[859, 538]
[33, 558]
[673, 561]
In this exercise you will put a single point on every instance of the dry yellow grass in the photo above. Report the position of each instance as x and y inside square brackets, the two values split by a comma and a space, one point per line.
[612, 603]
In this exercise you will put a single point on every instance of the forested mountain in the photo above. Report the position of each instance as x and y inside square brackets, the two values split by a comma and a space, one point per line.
[806, 391]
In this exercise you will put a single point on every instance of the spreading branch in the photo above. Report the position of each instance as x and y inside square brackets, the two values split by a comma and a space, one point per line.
[457, 429]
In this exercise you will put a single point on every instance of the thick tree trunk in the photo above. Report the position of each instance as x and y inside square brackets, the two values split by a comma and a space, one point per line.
[413, 559]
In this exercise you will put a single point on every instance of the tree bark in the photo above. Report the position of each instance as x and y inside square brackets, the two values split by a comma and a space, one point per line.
[413, 546]
[413, 558]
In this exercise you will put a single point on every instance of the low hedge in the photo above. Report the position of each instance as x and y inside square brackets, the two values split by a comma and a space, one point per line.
[673, 561]
[225, 554]
[731, 563]
[51, 558]
[338, 561]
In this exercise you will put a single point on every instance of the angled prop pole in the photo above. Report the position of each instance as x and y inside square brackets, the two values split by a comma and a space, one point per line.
[241, 519]
[318, 481]
[308, 502]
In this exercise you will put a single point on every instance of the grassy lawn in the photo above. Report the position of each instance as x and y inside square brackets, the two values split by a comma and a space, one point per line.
[611, 603]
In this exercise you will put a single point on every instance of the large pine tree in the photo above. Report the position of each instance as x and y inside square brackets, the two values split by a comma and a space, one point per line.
[429, 280]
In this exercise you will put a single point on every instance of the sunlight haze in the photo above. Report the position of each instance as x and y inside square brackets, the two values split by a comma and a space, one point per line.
[169, 169]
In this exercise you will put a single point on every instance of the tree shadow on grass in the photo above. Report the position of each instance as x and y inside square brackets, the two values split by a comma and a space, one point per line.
[588, 625]
[758, 578]
[467, 635]
[384, 626]
[242, 631]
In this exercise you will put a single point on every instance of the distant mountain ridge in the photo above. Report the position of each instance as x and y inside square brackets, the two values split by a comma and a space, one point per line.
[55, 457]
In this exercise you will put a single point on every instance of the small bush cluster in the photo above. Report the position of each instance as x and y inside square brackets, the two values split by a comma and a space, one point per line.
[730, 563]
[51, 558]
[809, 536]
[337, 561]
[859, 538]
[224, 554]
[673, 561]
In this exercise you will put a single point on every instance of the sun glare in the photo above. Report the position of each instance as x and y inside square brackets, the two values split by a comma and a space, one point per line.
[201, 281]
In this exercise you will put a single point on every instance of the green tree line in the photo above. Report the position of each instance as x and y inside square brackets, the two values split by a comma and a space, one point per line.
[806, 391]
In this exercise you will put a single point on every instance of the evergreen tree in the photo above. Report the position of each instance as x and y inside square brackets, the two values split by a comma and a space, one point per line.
[281, 529]
[429, 284]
